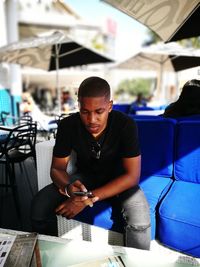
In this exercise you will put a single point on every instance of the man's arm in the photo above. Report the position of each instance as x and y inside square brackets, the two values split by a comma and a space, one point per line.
[60, 178]
[131, 178]
[58, 172]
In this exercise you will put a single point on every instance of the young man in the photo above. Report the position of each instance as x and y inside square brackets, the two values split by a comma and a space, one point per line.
[108, 165]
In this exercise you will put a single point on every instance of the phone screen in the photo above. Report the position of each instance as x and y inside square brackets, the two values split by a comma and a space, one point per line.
[81, 193]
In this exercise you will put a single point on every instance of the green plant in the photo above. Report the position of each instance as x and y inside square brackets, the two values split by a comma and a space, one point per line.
[135, 86]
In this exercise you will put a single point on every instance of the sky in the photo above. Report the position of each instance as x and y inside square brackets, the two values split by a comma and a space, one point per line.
[130, 33]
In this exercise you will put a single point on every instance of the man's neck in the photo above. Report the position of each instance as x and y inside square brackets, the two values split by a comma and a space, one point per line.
[98, 136]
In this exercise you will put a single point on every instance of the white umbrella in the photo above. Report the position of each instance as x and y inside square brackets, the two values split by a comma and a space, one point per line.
[163, 57]
[51, 52]
[172, 20]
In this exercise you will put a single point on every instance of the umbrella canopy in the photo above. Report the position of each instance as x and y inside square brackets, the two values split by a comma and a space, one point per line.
[172, 20]
[163, 57]
[51, 52]
[171, 57]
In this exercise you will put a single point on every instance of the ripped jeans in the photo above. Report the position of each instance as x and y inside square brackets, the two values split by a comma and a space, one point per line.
[131, 205]
[136, 215]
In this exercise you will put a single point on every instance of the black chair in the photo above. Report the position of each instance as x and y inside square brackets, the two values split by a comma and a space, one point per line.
[16, 145]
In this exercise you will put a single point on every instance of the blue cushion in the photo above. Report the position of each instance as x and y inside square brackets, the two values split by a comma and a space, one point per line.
[187, 161]
[179, 218]
[154, 188]
[101, 215]
[157, 146]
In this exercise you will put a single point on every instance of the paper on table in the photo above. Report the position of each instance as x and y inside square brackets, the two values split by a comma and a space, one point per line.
[6, 243]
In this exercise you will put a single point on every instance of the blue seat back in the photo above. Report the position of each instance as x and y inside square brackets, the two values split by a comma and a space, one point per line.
[122, 107]
[187, 159]
[156, 138]
[133, 109]
[144, 117]
[189, 118]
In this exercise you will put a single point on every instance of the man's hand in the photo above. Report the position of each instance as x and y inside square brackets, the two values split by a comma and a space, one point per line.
[73, 205]
[73, 187]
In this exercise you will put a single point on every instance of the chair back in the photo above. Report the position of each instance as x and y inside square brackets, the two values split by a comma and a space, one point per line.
[18, 141]
[189, 118]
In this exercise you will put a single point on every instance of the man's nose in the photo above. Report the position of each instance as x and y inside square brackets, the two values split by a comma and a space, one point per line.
[91, 118]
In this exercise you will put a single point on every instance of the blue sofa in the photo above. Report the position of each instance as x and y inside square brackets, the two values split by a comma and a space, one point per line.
[170, 179]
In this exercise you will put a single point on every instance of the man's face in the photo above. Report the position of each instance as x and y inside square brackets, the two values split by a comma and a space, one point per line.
[94, 113]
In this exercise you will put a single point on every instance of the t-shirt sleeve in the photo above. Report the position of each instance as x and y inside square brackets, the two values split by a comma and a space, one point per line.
[129, 140]
[62, 146]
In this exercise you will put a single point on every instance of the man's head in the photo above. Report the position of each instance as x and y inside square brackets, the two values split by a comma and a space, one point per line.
[94, 103]
[94, 87]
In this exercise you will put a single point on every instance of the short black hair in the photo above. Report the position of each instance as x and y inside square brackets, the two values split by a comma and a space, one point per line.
[94, 87]
[191, 92]
[188, 103]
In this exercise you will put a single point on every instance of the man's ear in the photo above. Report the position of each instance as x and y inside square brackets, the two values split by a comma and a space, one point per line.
[110, 105]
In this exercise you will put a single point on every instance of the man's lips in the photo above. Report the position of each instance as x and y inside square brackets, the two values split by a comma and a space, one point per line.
[92, 127]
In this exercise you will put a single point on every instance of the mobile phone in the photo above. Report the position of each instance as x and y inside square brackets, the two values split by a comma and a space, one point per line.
[81, 193]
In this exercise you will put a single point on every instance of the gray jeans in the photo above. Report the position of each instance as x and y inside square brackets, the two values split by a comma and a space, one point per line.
[131, 205]
[136, 214]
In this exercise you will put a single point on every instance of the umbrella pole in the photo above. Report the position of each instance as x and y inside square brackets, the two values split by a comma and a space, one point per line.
[160, 86]
[162, 89]
[57, 79]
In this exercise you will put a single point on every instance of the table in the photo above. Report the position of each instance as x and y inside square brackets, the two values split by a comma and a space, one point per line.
[60, 252]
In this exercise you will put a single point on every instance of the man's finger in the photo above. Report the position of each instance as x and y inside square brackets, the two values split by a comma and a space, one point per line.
[59, 208]
[79, 185]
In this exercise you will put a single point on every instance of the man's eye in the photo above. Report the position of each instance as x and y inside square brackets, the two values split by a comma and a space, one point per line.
[99, 111]
[84, 112]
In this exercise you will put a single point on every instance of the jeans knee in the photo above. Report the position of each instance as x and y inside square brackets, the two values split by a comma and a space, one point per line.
[139, 228]
[138, 236]
[137, 217]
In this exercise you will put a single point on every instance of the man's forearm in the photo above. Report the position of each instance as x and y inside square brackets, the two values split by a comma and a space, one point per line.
[116, 186]
[59, 177]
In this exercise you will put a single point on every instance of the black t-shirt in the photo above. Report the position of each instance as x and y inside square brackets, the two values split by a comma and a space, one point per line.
[120, 140]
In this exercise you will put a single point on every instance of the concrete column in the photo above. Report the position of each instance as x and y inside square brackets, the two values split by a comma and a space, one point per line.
[13, 36]
[15, 70]
[3, 41]
[3, 35]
